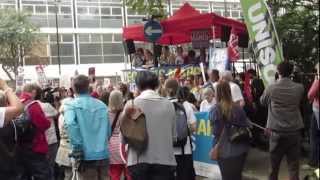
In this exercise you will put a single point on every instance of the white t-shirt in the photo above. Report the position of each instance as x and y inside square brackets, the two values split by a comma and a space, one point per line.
[2, 116]
[179, 60]
[50, 112]
[235, 91]
[205, 106]
[191, 118]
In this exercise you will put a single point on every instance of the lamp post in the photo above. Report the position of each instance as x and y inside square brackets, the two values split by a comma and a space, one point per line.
[57, 35]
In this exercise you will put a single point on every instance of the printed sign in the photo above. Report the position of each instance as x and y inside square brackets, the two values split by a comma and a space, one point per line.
[42, 79]
[200, 38]
[20, 78]
[218, 59]
[92, 74]
[263, 34]
[202, 144]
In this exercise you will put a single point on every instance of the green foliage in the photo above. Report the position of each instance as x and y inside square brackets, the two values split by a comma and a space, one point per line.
[17, 36]
[297, 23]
[147, 7]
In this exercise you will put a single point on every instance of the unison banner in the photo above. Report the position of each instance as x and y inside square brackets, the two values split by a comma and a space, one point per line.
[202, 143]
[263, 34]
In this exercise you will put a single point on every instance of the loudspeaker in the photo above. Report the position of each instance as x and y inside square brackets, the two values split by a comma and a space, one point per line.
[225, 33]
[129, 46]
[244, 40]
[157, 49]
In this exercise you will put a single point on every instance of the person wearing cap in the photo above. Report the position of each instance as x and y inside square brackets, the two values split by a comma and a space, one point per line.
[33, 160]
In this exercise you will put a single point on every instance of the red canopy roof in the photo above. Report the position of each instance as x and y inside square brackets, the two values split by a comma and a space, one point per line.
[177, 29]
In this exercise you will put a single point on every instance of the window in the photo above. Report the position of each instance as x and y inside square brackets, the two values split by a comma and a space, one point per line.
[52, 9]
[65, 10]
[90, 49]
[67, 38]
[130, 12]
[105, 11]
[235, 14]
[63, 60]
[94, 10]
[53, 38]
[9, 6]
[84, 38]
[112, 48]
[91, 59]
[116, 11]
[82, 10]
[89, 21]
[117, 37]
[113, 59]
[28, 8]
[41, 9]
[107, 37]
[65, 49]
[218, 12]
[95, 38]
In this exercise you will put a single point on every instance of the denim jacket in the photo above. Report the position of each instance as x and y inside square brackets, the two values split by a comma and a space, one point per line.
[88, 127]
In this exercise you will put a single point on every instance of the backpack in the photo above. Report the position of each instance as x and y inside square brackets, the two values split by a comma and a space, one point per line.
[18, 131]
[182, 128]
[134, 132]
[25, 130]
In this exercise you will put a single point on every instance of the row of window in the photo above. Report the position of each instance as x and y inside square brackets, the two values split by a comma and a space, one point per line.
[86, 38]
[93, 48]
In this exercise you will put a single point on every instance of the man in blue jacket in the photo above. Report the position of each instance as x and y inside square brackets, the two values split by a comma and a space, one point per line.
[88, 129]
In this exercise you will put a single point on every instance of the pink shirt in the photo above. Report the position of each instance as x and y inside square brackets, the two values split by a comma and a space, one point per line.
[313, 93]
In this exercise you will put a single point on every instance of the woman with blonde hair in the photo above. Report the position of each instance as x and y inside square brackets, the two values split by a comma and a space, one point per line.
[117, 164]
[224, 116]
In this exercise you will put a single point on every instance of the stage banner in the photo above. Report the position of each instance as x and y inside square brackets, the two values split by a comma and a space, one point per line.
[168, 70]
[264, 37]
[218, 59]
[20, 79]
[202, 143]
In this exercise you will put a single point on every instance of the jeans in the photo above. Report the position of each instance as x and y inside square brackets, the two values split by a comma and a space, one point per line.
[93, 170]
[231, 168]
[52, 153]
[146, 171]
[33, 165]
[185, 169]
[314, 142]
[289, 145]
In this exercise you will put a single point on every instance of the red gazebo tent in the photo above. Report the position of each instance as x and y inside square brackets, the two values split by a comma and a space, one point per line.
[177, 29]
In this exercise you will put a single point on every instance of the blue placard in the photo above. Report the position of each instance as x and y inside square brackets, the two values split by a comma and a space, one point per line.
[152, 31]
[202, 144]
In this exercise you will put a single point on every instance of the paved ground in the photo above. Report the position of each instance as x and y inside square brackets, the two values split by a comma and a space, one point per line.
[257, 167]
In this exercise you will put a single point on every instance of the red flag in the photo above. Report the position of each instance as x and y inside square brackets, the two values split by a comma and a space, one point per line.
[247, 88]
[233, 48]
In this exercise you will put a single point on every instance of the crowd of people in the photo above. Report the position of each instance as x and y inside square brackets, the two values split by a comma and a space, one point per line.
[76, 132]
[146, 59]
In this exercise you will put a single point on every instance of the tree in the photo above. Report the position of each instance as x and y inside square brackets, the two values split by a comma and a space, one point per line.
[297, 23]
[148, 7]
[17, 36]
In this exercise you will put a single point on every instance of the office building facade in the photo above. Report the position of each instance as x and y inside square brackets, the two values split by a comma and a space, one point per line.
[89, 31]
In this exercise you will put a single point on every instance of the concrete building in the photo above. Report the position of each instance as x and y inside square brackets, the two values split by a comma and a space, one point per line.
[90, 31]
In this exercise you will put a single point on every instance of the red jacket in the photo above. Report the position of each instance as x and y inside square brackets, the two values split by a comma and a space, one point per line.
[39, 120]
